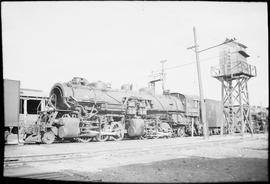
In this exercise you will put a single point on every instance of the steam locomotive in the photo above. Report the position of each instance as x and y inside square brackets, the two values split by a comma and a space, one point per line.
[85, 111]
[259, 117]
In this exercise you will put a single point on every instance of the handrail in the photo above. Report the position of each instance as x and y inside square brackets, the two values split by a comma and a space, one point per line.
[236, 67]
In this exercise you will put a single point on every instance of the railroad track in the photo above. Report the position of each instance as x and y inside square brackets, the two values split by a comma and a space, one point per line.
[23, 160]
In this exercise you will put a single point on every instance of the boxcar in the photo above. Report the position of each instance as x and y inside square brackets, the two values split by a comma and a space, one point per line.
[11, 105]
[214, 115]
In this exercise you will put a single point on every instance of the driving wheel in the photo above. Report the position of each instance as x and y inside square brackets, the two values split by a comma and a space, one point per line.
[118, 128]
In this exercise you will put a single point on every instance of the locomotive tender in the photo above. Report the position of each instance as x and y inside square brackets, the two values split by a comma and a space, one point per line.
[85, 111]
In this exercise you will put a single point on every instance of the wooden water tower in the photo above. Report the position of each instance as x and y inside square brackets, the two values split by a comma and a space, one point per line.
[234, 72]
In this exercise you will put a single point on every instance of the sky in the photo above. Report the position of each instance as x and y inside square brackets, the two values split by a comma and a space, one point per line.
[123, 42]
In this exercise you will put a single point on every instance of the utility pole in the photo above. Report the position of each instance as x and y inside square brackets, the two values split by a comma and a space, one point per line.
[200, 86]
[163, 75]
[203, 114]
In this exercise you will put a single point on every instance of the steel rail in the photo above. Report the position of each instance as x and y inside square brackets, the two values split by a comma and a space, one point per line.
[21, 160]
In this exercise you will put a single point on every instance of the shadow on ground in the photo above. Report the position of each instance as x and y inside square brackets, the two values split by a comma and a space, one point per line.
[193, 169]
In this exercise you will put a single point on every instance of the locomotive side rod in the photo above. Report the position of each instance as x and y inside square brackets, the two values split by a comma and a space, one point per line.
[95, 133]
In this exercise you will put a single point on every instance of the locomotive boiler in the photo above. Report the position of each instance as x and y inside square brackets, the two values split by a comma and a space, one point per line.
[85, 111]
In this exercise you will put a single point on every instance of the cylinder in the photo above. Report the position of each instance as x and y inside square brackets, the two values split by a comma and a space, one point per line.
[70, 128]
[136, 127]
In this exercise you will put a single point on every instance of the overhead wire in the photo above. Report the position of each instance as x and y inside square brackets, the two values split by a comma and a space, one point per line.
[190, 63]
[178, 66]
[186, 64]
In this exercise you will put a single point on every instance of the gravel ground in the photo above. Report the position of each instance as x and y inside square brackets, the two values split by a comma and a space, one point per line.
[243, 160]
